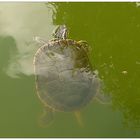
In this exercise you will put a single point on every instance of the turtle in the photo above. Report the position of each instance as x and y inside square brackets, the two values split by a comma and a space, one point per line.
[64, 76]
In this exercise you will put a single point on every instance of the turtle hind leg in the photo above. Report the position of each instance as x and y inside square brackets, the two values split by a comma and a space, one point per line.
[98, 88]
[103, 99]
[79, 118]
[46, 118]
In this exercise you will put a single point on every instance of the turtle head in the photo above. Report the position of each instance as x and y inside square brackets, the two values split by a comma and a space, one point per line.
[61, 32]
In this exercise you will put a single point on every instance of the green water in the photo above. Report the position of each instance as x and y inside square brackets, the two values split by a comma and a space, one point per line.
[111, 29]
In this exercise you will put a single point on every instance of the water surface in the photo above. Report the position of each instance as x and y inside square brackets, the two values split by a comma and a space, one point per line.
[111, 29]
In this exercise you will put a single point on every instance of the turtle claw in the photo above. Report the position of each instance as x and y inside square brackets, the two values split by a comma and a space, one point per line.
[83, 43]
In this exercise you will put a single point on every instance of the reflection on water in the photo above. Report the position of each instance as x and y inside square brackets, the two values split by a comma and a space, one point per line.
[23, 21]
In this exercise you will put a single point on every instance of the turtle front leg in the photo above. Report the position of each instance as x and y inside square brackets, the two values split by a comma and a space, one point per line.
[40, 40]
[84, 44]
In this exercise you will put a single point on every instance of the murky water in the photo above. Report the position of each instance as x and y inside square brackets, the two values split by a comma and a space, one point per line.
[111, 29]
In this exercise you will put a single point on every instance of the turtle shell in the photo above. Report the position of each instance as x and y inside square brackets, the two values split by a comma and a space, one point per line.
[64, 77]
